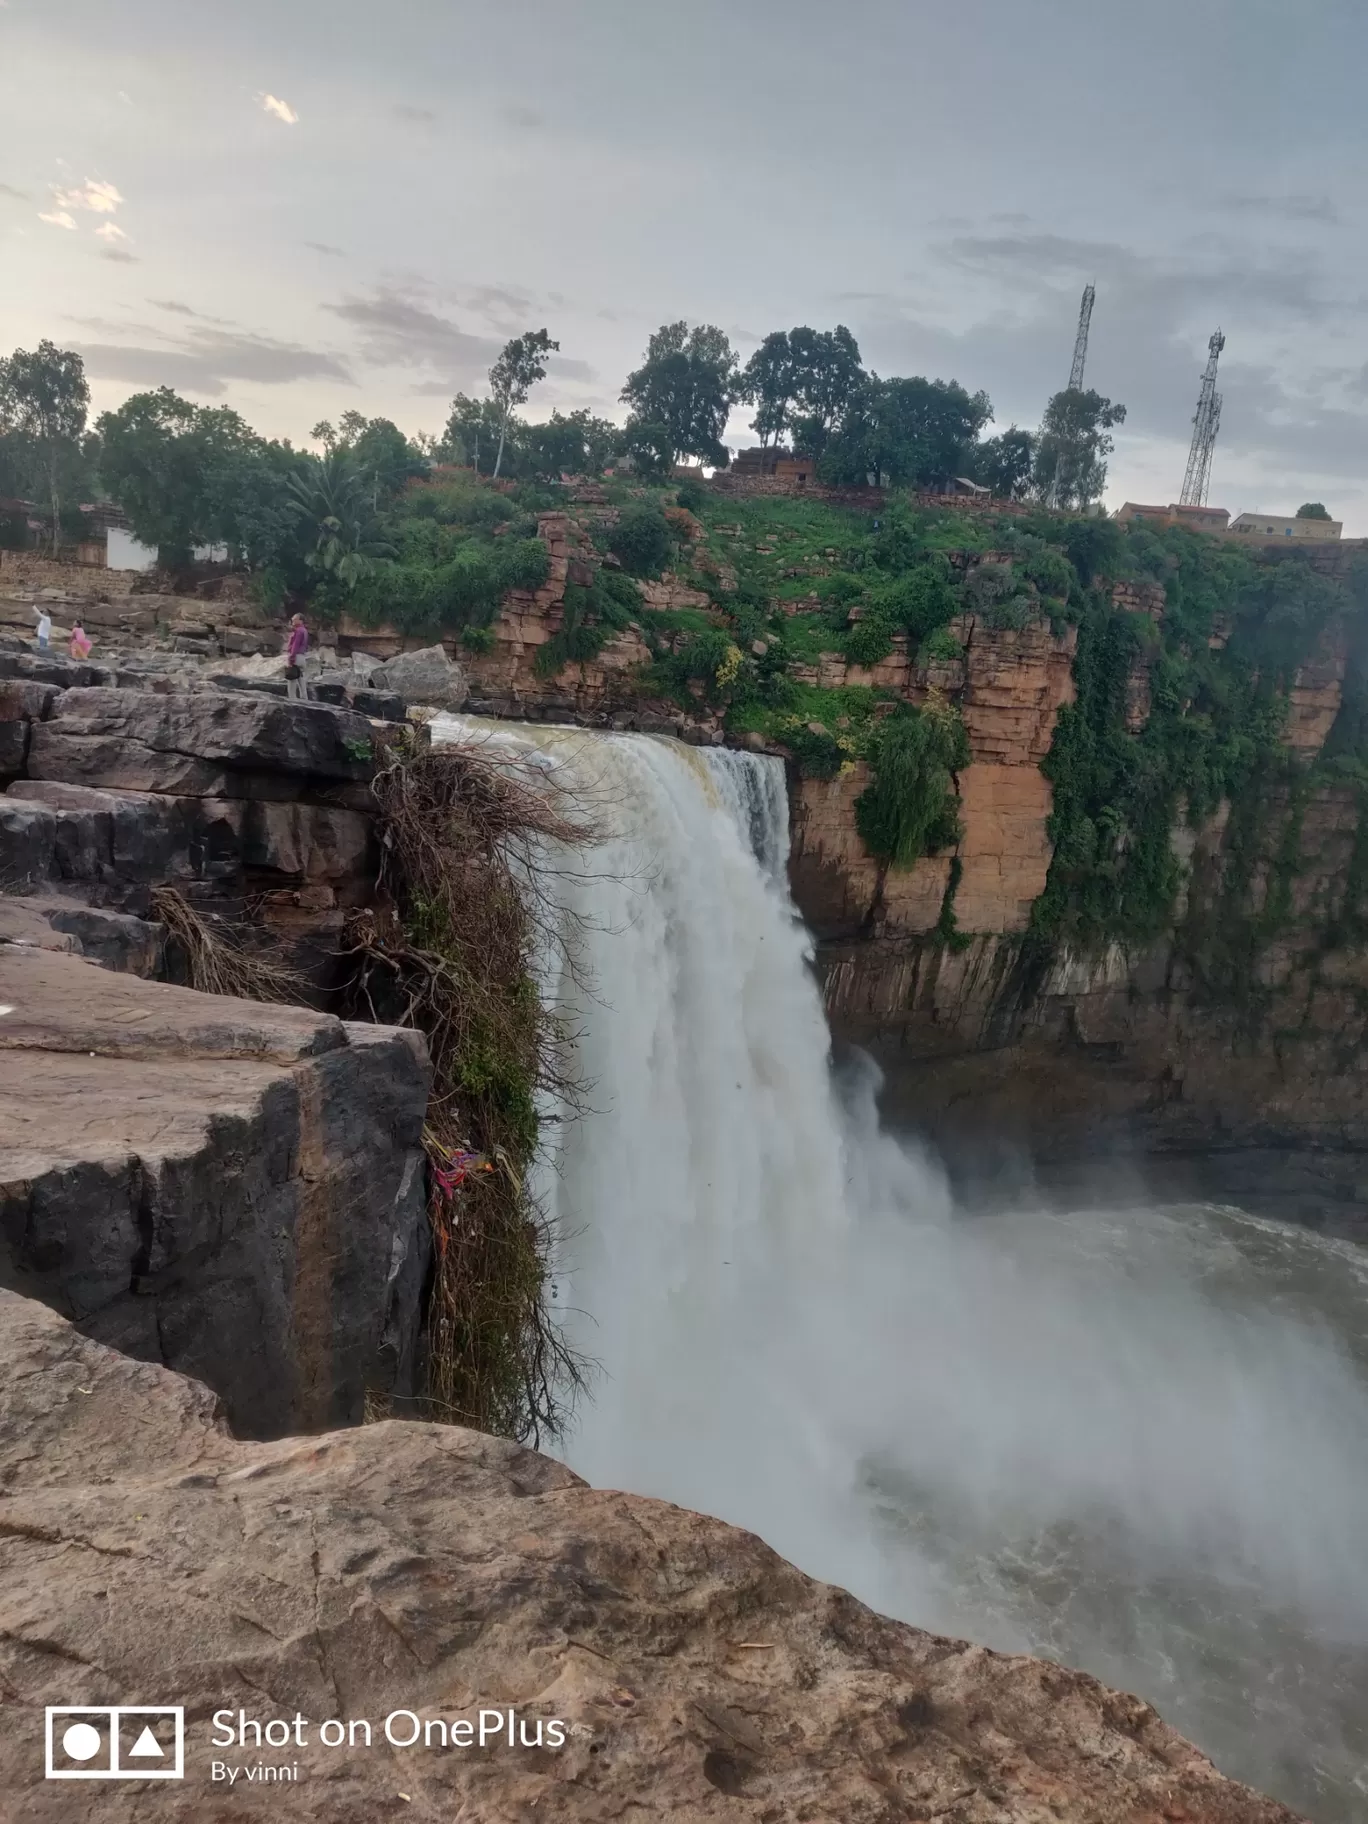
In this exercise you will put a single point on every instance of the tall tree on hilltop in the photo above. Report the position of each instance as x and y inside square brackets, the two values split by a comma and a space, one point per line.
[1312, 509]
[1004, 463]
[472, 425]
[576, 443]
[828, 373]
[1071, 451]
[684, 389]
[909, 433]
[44, 396]
[512, 377]
[801, 380]
[767, 382]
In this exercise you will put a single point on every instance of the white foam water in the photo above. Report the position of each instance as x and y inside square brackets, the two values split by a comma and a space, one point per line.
[1137, 1440]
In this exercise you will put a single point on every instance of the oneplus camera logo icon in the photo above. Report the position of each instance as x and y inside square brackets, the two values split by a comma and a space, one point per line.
[115, 1742]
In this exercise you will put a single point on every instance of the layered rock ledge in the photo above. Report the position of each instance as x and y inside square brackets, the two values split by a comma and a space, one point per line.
[232, 1189]
[148, 1557]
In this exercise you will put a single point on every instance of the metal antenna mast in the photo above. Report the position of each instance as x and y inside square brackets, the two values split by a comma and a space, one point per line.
[1081, 340]
[1205, 425]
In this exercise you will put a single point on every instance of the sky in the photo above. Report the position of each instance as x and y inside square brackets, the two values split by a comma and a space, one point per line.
[300, 207]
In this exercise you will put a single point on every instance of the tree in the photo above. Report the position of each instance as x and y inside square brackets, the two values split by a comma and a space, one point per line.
[44, 396]
[910, 807]
[1004, 463]
[188, 475]
[767, 382]
[907, 433]
[801, 380]
[379, 449]
[1070, 467]
[576, 443]
[1312, 509]
[512, 377]
[827, 372]
[686, 385]
[472, 425]
[334, 497]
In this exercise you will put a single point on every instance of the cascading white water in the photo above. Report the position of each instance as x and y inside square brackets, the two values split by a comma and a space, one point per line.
[1086, 1433]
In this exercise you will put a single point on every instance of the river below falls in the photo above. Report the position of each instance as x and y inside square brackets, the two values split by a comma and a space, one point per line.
[1133, 1438]
[1268, 1674]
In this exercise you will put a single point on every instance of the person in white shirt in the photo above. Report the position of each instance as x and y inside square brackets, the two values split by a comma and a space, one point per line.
[44, 627]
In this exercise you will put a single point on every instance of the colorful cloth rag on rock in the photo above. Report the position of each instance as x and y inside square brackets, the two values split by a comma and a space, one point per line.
[452, 1174]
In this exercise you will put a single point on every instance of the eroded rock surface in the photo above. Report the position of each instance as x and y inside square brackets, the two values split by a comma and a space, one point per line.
[150, 1558]
[233, 1189]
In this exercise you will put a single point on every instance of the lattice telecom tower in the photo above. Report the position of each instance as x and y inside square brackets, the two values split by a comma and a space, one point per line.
[1081, 340]
[1205, 425]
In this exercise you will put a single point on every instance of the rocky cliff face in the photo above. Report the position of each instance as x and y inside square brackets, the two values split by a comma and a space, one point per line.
[226, 1187]
[1231, 1042]
[427, 1573]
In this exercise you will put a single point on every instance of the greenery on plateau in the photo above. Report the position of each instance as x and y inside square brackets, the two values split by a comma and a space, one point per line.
[814, 610]
[1216, 667]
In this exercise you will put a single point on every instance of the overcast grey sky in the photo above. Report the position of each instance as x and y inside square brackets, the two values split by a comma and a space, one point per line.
[300, 206]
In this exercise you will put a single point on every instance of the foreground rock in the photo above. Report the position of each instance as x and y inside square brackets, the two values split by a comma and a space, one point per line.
[233, 1189]
[149, 1558]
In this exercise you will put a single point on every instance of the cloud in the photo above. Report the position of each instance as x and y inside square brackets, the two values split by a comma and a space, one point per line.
[20, 196]
[1291, 208]
[117, 253]
[58, 217]
[110, 231]
[519, 115]
[333, 253]
[420, 117]
[124, 96]
[204, 360]
[398, 331]
[174, 305]
[272, 104]
[96, 196]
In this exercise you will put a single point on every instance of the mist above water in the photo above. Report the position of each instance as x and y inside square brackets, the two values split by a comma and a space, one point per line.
[1135, 1439]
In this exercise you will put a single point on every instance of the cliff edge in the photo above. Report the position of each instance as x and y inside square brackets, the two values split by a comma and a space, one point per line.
[151, 1558]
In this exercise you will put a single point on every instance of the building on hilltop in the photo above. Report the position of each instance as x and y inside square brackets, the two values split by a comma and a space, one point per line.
[1198, 519]
[1279, 525]
[781, 465]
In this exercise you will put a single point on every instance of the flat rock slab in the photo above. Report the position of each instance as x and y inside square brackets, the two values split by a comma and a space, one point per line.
[115, 940]
[227, 744]
[57, 1005]
[232, 1189]
[146, 1557]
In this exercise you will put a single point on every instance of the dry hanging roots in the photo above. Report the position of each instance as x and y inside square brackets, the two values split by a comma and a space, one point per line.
[466, 841]
[217, 960]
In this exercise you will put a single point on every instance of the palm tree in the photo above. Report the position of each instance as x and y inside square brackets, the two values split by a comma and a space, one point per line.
[335, 498]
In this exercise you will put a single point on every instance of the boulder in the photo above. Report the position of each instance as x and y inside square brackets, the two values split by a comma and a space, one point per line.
[424, 1573]
[427, 677]
[228, 1188]
[378, 705]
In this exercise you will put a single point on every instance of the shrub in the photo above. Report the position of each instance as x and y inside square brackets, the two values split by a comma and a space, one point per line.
[690, 495]
[869, 640]
[910, 807]
[641, 540]
[940, 647]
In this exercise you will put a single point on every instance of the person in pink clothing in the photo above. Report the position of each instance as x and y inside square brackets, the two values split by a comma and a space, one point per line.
[295, 649]
[80, 641]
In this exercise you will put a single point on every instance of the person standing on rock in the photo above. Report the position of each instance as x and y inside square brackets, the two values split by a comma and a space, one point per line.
[296, 647]
[44, 626]
[80, 641]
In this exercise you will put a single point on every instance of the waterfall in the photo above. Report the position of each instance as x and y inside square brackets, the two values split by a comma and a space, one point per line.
[1131, 1438]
